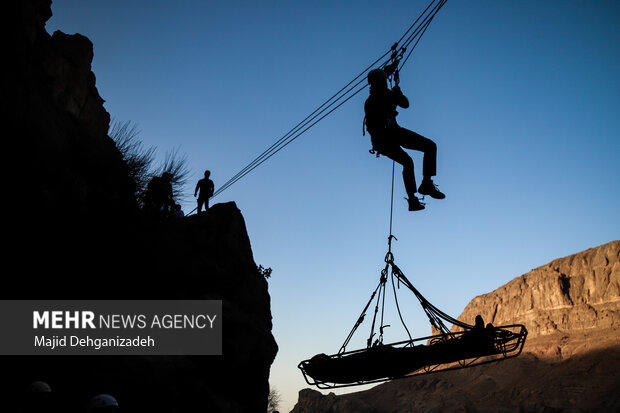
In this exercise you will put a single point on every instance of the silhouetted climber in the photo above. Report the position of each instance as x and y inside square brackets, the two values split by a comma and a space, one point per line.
[478, 323]
[178, 212]
[389, 139]
[206, 188]
[158, 198]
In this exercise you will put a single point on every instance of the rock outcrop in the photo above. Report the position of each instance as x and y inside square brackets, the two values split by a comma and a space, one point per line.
[570, 362]
[312, 401]
[57, 125]
[78, 234]
[200, 257]
[569, 306]
[579, 292]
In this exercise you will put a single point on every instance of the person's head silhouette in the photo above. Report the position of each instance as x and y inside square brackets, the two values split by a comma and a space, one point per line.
[377, 79]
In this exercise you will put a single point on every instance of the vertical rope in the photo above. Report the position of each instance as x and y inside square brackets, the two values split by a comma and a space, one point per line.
[391, 210]
[398, 306]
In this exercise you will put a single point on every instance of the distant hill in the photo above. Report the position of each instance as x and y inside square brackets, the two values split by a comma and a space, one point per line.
[571, 359]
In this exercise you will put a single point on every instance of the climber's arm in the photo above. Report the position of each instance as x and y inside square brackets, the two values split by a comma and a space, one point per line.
[400, 99]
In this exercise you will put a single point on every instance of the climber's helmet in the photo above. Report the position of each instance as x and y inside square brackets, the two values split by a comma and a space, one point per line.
[377, 77]
[101, 402]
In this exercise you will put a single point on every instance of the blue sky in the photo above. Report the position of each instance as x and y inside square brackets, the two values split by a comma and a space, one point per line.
[521, 97]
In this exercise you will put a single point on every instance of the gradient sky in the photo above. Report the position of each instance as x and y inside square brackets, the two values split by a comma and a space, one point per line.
[522, 98]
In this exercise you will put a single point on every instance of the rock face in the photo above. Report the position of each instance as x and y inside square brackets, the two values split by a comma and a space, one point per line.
[571, 359]
[200, 257]
[78, 234]
[58, 125]
[579, 292]
[311, 401]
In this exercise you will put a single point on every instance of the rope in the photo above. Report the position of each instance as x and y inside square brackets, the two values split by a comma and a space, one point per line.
[381, 289]
[421, 30]
[290, 139]
[345, 93]
[382, 325]
[398, 308]
[391, 208]
[289, 136]
[433, 312]
[415, 22]
[359, 321]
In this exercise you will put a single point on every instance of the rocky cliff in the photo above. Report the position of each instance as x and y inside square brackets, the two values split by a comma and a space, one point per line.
[576, 294]
[78, 233]
[65, 164]
[571, 360]
[200, 257]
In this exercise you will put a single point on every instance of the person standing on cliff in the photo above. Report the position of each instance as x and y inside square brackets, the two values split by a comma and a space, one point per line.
[389, 139]
[159, 198]
[178, 212]
[206, 188]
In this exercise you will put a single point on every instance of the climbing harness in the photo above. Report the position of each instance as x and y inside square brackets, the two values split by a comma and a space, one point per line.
[446, 350]
[391, 71]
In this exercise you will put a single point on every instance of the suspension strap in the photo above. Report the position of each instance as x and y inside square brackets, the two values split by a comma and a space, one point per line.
[434, 314]
[398, 306]
[381, 290]
[391, 213]
[360, 319]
